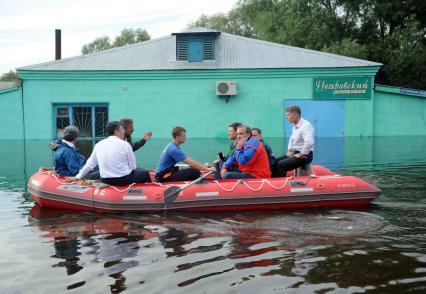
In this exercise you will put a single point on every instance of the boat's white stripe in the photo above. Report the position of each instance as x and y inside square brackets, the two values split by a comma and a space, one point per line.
[35, 183]
[73, 188]
[206, 194]
[139, 197]
[301, 189]
[329, 177]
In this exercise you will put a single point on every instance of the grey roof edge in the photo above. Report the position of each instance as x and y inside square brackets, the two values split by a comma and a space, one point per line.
[398, 87]
[197, 30]
[6, 90]
[93, 54]
[308, 51]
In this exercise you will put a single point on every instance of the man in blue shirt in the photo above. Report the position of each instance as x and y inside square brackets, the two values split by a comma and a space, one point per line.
[68, 159]
[167, 171]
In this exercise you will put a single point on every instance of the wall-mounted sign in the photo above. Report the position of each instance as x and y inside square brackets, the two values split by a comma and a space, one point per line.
[412, 92]
[342, 88]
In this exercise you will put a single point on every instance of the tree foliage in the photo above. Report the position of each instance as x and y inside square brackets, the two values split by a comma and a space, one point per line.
[391, 32]
[99, 44]
[231, 23]
[10, 76]
[126, 37]
[130, 36]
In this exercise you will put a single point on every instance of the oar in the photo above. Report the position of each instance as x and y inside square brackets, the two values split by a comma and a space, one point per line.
[171, 193]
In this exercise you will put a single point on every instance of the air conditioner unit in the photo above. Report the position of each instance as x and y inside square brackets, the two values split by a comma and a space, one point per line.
[226, 88]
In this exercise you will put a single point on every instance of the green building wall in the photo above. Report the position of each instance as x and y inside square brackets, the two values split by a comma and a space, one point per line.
[160, 100]
[359, 117]
[397, 114]
[11, 114]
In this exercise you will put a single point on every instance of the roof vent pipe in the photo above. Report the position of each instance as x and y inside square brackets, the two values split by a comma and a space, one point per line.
[57, 44]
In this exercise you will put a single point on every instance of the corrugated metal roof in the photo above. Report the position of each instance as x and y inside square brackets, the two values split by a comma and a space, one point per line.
[196, 31]
[7, 85]
[232, 52]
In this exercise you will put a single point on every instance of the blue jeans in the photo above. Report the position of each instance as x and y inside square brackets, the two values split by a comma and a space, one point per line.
[218, 167]
[235, 175]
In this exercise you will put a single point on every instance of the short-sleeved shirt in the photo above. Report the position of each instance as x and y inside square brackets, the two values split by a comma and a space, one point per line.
[171, 155]
[302, 138]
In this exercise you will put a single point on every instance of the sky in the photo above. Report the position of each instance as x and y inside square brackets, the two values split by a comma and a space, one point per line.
[27, 27]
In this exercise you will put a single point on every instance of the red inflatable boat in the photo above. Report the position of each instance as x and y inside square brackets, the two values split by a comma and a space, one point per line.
[322, 188]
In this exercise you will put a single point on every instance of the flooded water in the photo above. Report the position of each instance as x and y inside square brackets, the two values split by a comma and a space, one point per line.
[379, 249]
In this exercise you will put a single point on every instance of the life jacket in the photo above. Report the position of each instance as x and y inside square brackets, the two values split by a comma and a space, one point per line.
[258, 165]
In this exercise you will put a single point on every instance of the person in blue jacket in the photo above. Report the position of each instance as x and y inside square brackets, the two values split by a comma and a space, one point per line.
[68, 159]
[257, 133]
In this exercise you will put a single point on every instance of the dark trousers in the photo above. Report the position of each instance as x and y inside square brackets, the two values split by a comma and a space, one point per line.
[218, 167]
[139, 175]
[236, 175]
[185, 174]
[93, 175]
[285, 164]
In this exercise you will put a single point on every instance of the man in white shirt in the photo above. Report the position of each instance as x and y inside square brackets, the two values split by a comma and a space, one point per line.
[116, 160]
[300, 146]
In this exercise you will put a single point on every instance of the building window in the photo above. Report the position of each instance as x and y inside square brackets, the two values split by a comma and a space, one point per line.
[195, 48]
[90, 119]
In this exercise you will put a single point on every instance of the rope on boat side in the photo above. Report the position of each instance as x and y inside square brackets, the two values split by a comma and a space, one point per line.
[82, 183]
[278, 188]
[263, 181]
[227, 190]
[240, 181]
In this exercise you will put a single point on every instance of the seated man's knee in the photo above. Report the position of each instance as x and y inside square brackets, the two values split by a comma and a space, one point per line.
[195, 173]
[232, 175]
[227, 176]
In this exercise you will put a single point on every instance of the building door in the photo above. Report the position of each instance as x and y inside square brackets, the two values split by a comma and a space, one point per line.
[326, 116]
[328, 119]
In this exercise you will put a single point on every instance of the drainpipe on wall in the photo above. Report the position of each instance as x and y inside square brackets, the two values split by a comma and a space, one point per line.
[23, 108]
[23, 130]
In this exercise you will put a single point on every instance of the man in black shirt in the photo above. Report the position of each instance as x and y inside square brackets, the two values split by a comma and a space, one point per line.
[128, 128]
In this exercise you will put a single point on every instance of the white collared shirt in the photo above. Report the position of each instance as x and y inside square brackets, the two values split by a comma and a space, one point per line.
[302, 138]
[114, 156]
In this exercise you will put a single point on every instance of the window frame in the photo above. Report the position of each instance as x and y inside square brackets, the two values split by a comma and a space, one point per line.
[208, 41]
[70, 106]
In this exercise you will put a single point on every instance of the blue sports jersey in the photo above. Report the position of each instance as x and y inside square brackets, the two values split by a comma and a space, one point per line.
[171, 155]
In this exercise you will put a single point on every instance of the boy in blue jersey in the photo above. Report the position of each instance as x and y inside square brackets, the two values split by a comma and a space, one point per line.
[167, 171]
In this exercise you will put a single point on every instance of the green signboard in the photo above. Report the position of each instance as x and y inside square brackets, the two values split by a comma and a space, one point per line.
[342, 88]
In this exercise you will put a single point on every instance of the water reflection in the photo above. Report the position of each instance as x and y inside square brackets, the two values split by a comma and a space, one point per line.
[199, 247]
[381, 249]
